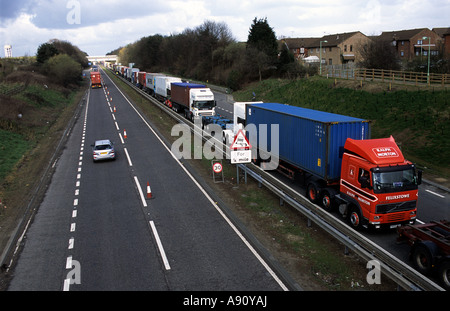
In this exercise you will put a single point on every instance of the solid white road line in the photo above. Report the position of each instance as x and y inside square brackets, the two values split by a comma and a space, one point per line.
[436, 194]
[128, 157]
[160, 246]
[141, 194]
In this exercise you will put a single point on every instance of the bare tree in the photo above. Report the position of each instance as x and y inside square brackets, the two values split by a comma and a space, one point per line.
[380, 54]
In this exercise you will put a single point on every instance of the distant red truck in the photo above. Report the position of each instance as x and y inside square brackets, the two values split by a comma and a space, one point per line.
[96, 79]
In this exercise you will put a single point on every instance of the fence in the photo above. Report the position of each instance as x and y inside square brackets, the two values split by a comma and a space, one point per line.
[393, 76]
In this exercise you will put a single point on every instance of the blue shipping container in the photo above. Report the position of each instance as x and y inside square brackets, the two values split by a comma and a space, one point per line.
[309, 139]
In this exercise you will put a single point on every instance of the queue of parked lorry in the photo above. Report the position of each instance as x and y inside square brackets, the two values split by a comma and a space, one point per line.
[368, 181]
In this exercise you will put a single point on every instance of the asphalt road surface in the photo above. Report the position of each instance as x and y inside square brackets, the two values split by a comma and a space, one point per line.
[96, 228]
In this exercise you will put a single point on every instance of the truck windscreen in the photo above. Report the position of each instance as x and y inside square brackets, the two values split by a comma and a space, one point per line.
[204, 105]
[389, 180]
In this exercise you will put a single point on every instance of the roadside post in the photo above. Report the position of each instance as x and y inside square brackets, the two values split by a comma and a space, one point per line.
[217, 170]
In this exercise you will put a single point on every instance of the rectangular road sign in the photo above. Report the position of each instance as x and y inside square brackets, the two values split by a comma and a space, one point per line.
[241, 156]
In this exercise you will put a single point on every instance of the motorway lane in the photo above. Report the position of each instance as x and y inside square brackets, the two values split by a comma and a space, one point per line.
[82, 219]
[433, 204]
[116, 249]
[203, 251]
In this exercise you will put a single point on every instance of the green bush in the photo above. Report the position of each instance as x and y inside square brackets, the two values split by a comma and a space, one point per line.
[63, 69]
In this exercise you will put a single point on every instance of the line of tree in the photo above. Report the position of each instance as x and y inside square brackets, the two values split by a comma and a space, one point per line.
[209, 52]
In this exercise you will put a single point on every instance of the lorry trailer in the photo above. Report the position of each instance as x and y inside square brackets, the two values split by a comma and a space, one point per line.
[163, 87]
[96, 79]
[368, 180]
[430, 248]
[150, 82]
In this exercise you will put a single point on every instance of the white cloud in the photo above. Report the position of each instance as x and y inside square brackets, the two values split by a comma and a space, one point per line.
[109, 24]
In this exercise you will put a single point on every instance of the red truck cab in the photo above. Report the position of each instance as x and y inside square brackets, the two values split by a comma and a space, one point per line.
[96, 79]
[379, 184]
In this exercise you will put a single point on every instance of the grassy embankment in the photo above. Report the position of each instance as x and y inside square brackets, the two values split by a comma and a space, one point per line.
[39, 107]
[32, 121]
[418, 118]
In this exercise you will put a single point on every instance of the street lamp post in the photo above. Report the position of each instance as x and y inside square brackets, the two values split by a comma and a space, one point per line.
[429, 46]
[320, 60]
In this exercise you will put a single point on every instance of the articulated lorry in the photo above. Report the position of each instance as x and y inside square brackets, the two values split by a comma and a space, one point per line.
[194, 100]
[367, 180]
[96, 79]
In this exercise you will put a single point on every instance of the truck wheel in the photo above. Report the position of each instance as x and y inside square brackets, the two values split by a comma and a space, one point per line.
[423, 256]
[312, 193]
[444, 274]
[327, 201]
[354, 218]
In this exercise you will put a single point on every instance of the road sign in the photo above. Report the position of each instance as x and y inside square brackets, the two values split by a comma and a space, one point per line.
[240, 149]
[241, 156]
[217, 167]
[240, 142]
[217, 170]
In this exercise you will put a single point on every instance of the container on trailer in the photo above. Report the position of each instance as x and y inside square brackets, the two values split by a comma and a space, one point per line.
[180, 92]
[308, 139]
[141, 79]
[150, 81]
[163, 86]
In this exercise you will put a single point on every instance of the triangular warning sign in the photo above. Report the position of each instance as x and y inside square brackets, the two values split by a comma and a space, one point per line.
[240, 142]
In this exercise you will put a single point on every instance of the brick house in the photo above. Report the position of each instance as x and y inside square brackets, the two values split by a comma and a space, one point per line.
[410, 43]
[339, 48]
[444, 33]
[298, 46]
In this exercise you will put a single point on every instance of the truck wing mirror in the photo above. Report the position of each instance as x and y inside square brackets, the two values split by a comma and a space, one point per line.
[419, 177]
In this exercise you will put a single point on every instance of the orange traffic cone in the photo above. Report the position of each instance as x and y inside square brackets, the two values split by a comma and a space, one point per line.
[114, 108]
[149, 191]
[124, 133]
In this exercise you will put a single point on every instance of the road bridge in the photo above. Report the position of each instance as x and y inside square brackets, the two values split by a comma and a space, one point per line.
[103, 58]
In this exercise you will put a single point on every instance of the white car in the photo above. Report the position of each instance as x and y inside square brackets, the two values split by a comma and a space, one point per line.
[103, 150]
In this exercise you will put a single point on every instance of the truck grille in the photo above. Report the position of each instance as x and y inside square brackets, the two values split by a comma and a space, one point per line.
[395, 207]
[206, 114]
[397, 217]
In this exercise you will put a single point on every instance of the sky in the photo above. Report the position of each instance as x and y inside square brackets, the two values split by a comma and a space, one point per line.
[100, 26]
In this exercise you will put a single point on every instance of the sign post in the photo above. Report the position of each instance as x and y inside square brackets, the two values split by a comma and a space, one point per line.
[217, 170]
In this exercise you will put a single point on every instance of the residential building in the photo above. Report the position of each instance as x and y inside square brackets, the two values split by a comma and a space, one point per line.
[410, 43]
[298, 46]
[338, 49]
[444, 33]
